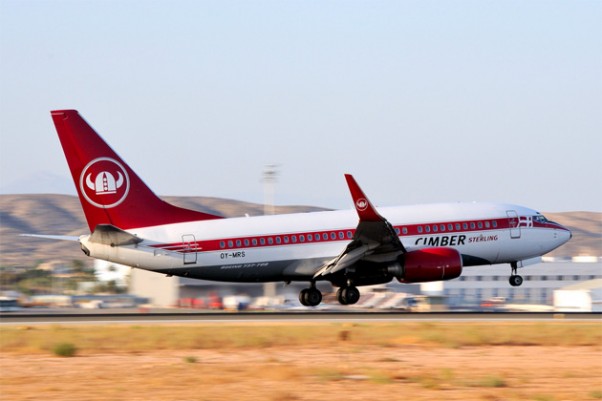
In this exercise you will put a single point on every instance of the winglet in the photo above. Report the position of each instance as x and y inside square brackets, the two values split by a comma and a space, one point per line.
[363, 206]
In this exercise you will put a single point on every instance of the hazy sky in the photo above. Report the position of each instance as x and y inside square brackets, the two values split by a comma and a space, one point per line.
[423, 101]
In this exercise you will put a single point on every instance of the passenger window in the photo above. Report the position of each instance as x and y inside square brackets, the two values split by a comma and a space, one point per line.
[480, 224]
[324, 236]
[442, 227]
[404, 230]
[487, 224]
[427, 229]
[222, 244]
[262, 241]
[341, 235]
[457, 226]
[494, 224]
[294, 239]
[302, 238]
[472, 225]
[230, 244]
[247, 242]
[450, 227]
[270, 241]
[420, 229]
[349, 234]
[254, 241]
[310, 237]
[465, 226]
[333, 236]
[435, 228]
[286, 239]
[278, 240]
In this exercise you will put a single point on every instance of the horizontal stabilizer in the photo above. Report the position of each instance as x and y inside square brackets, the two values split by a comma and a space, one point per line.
[111, 235]
[52, 237]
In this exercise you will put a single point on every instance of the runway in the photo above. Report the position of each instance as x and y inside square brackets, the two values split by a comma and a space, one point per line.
[105, 317]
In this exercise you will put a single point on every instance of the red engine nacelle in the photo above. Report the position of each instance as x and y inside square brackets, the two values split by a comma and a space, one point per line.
[430, 264]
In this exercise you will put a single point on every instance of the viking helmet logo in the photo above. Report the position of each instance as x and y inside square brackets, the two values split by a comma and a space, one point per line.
[104, 182]
[361, 204]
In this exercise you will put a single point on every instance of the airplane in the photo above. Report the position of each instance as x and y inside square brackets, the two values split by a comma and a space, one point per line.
[130, 225]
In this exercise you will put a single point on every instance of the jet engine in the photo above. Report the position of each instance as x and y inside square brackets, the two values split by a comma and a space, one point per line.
[430, 264]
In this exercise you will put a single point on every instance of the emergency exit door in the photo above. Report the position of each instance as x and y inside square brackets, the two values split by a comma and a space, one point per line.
[513, 223]
[189, 249]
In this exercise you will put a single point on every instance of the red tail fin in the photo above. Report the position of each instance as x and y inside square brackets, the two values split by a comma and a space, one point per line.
[109, 190]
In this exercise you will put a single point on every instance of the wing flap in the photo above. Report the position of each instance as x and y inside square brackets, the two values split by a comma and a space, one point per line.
[346, 258]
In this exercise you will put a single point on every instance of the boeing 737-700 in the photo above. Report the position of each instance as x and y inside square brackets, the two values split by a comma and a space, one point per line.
[130, 225]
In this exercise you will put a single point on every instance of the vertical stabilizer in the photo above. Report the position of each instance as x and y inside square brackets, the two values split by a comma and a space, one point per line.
[109, 190]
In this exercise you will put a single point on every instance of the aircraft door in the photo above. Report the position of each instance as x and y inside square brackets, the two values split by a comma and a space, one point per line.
[513, 223]
[189, 249]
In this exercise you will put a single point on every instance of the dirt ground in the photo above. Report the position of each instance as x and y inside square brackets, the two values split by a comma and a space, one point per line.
[346, 372]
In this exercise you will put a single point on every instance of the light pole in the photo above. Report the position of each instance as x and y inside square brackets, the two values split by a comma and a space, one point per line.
[270, 175]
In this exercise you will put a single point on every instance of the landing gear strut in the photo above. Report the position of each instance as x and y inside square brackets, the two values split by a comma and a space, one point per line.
[515, 280]
[310, 296]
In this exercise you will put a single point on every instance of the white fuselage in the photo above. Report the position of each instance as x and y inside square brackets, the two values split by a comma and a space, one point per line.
[292, 247]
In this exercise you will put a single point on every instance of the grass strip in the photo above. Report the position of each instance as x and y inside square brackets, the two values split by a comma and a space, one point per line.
[142, 338]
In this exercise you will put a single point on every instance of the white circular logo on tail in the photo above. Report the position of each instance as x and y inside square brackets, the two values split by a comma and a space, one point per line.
[104, 182]
[361, 204]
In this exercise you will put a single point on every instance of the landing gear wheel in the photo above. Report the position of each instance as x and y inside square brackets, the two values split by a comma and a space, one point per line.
[348, 295]
[303, 296]
[516, 280]
[310, 297]
[314, 297]
[342, 300]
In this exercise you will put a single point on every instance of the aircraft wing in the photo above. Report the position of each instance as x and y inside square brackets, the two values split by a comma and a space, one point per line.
[374, 237]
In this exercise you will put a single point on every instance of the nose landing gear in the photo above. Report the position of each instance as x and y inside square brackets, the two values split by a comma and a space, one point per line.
[515, 280]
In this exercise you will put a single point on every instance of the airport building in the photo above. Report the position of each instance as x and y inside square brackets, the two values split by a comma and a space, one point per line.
[581, 297]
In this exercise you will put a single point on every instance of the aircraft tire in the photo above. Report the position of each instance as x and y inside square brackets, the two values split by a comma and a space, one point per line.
[342, 300]
[310, 297]
[348, 295]
[516, 280]
[313, 297]
[303, 296]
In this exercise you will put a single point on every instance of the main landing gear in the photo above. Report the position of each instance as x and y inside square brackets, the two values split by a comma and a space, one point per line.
[310, 296]
[348, 295]
[515, 280]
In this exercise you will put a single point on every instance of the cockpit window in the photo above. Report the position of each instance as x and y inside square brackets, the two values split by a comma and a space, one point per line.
[540, 219]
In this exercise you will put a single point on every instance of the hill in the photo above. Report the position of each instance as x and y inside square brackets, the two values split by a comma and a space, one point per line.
[62, 214]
